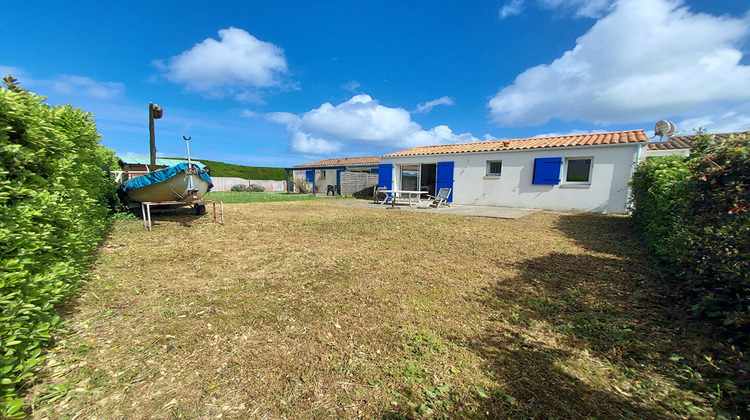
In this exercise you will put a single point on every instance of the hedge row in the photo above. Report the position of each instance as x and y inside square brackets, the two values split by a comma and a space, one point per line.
[694, 214]
[54, 198]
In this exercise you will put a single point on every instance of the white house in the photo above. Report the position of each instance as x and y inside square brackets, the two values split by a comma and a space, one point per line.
[588, 172]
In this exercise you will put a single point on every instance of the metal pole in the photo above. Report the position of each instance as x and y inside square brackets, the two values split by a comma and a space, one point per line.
[152, 139]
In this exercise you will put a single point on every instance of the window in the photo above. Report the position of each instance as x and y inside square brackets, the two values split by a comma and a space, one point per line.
[578, 170]
[410, 177]
[494, 167]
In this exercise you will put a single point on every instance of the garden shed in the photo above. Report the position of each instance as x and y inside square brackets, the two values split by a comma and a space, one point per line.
[586, 172]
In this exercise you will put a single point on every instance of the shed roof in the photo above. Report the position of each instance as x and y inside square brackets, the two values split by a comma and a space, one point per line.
[593, 139]
[144, 160]
[355, 161]
[686, 142]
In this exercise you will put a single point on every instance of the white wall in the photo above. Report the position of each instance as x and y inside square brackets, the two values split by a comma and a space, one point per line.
[226, 183]
[608, 191]
[668, 152]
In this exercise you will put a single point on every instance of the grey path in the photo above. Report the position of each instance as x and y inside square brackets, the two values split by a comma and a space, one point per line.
[482, 211]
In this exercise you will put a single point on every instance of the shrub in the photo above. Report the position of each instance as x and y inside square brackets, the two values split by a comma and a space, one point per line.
[301, 185]
[248, 188]
[694, 214]
[659, 197]
[53, 212]
[240, 188]
[716, 235]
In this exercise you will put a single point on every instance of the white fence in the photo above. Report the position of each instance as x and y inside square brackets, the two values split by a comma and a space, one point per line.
[226, 183]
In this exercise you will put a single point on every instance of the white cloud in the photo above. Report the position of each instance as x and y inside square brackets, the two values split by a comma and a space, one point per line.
[236, 65]
[581, 8]
[427, 106]
[351, 86]
[512, 8]
[292, 121]
[719, 121]
[360, 121]
[15, 71]
[646, 60]
[67, 84]
[569, 133]
[69, 87]
[249, 114]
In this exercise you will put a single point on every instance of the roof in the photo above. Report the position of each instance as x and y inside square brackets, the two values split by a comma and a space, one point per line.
[141, 160]
[593, 139]
[361, 161]
[686, 142]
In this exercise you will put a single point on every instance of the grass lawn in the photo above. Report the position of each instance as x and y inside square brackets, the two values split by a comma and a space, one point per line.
[313, 309]
[256, 197]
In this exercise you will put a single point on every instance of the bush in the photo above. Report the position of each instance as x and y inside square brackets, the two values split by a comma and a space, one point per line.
[659, 195]
[364, 193]
[248, 188]
[301, 185]
[694, 214]
[54, 197]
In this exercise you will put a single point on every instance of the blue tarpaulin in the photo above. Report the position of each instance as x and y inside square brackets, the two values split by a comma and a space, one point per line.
[163, 175]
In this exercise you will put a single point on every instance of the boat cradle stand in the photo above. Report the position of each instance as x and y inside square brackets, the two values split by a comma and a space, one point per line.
[146, 209]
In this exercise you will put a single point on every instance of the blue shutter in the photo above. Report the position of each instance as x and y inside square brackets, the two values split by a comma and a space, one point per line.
[338, 176]
[547, 171]
[444, 178]
[385, 176]
[310, 176]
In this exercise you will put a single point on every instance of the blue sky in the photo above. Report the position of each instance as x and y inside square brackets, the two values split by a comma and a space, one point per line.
[289, 82]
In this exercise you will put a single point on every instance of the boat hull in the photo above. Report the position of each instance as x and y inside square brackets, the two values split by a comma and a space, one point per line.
[182, 182]
[173, 189]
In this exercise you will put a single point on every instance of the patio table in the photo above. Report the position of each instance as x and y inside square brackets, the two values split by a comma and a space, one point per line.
[400, 194]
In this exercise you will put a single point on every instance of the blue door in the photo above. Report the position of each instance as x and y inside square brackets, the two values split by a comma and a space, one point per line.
[444, 178]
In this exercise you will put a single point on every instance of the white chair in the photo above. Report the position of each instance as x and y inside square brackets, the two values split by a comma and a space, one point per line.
[440, 200]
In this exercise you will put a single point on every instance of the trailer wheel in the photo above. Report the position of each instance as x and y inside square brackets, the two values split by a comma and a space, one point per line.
[200, 209]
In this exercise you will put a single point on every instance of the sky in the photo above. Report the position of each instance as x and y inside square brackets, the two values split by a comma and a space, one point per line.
[282, 83]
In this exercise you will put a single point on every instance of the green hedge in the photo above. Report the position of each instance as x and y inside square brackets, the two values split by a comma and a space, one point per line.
[54, 197]
[694, 213]
[232, 170]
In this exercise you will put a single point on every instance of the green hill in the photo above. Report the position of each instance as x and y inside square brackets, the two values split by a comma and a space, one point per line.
[222, 169]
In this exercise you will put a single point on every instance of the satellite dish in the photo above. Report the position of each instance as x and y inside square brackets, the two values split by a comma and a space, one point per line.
[664, 128]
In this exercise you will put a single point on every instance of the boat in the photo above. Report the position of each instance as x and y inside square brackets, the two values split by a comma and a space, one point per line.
[186, 182]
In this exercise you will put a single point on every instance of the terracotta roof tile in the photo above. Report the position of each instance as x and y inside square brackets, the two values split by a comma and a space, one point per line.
[685, 142]
[365, 160]
[618, 137]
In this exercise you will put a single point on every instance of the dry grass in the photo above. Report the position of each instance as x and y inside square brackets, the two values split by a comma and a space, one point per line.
[313, 309]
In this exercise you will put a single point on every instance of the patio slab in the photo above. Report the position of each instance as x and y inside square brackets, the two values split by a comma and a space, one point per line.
[458, 209]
